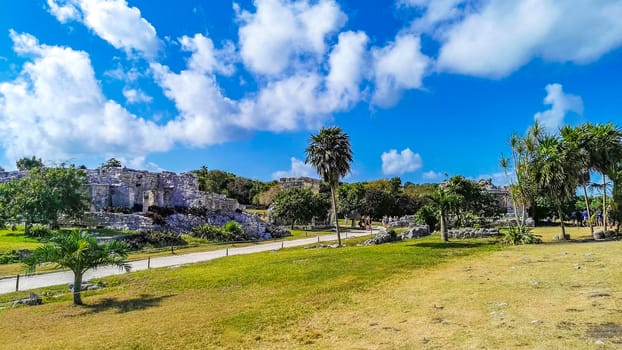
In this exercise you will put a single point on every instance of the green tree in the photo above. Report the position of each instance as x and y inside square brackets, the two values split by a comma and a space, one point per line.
[351, 200]
[26, 163]
[43, 195]
[427, 215]
[577, 141]
[557, 173]
[330, 153]
[111, 163]
[79, 252]
[298, 205]
[605, 146]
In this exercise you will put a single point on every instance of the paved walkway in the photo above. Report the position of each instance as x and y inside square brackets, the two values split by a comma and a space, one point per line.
[7, 285]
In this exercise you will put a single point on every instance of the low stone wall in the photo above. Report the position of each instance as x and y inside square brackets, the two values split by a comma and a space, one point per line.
[416, 232]
[114, 221]
[469, 232]
[252, 225]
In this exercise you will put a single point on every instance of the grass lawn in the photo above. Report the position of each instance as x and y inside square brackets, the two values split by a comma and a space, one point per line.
[417, 294]
[15, 240]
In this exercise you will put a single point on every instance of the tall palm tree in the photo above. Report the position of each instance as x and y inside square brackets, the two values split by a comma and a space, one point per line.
[605, 141]
[556, 174]
[329, 152]
[79, 252]
[577, 142]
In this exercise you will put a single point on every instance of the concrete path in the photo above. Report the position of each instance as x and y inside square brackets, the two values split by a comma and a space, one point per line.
[7, 285]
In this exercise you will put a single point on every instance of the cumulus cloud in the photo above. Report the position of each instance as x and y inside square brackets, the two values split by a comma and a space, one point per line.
[114, 21]
[435, 13]
[55, 109]
[397, 67]
[432, 175]
[561, 103]
[206, 58]
[136, 96]
[394, 163]
[497, 37]
[297, 168]
[280, 31]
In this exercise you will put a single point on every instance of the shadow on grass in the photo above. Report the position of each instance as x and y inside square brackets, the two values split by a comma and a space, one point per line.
[142, 302]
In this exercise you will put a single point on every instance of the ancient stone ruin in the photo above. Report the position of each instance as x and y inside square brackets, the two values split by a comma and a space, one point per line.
[128, 199]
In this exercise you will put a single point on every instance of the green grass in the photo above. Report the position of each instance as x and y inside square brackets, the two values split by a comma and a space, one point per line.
[422, 293]
[15, 240]
[231, 302]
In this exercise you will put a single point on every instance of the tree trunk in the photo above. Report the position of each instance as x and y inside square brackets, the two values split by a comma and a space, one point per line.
[77, 288]
[561, 222]
[587, 207]
[332, 194]
[604, 201]
[443, 227]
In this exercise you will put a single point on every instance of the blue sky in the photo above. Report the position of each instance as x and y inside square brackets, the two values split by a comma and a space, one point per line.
[423, 87]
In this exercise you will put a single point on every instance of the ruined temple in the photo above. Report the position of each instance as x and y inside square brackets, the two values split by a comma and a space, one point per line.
[139, 189]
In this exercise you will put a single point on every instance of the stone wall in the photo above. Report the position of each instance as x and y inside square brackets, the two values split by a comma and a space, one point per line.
[138, 189]
[468, 232]
[111, 220]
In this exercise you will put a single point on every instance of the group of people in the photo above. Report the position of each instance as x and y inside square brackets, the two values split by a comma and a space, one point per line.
[582, 218]
[365, 222]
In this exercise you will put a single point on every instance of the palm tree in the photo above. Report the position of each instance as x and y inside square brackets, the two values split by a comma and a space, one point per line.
[79, 252]
[556, 175]
[444, 200]
[329, 152]
[577, 141]
[605, 141]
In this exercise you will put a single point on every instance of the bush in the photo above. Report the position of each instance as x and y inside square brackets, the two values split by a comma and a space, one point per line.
[9, 257]
[230, 232]
[520, 235]
[157, 218]
[39, 231]
[157, 239]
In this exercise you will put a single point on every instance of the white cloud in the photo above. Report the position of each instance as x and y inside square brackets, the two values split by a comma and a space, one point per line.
[432, 175]
[435, 12]
[561, 103]
[56, 110]
[206, 58]
[136, 96]
[272, 38]
[64, 12]
[347, 63]
[398, 66]
[298, 168]
[497, 37]
[113, 20]
[394, 163]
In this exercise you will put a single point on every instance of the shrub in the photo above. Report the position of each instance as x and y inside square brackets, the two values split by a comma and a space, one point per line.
[155, 239]
[9, 257]
[39, 231]
[230, 232]
[520, 234]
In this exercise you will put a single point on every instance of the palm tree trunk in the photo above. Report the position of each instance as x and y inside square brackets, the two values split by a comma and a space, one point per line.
[561, 222]
[604, 201]
[587, 207]
[334, 198]
[77, 288]
[444, 237]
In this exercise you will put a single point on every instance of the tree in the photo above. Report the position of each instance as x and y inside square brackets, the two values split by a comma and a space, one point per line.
[605, 148]
[557, 173]
[329, 152]
[444, 201]
[577, 142]
[79, 252]
[43, 195]
[111, 163]
[26, 163]
[299, 205]
[351, 200]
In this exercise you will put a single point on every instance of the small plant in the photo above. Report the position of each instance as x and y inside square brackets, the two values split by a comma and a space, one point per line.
[39, 231]
[520, 234]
